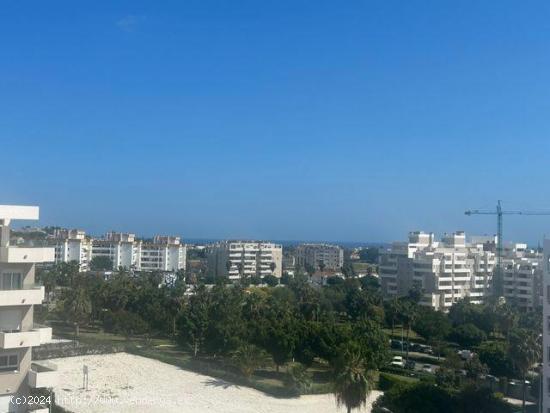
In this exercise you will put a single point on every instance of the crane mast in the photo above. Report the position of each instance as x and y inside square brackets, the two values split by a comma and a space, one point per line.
[498, 279]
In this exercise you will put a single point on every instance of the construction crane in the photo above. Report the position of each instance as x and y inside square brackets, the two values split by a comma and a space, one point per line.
[497, 283]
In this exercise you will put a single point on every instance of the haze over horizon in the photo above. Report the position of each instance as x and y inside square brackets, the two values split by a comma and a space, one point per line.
[277, 120]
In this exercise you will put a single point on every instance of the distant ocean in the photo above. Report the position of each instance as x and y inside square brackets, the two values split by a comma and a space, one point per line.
[290, 243]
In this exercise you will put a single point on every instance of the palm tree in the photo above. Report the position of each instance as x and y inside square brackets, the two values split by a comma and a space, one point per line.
[350, 378]
[525, 351]
[248, 358]
[77, 307]
[297, 378]
[393, 310]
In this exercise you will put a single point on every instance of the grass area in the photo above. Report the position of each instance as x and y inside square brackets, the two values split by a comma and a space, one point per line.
[267, 379]
[362, 267]
[397, 335]
[165, 350]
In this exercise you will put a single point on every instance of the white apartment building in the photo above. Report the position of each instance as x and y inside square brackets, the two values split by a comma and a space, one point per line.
[163, 254]
[72, 245]
[320, 256]
[123, 249]
[447, 270]
[18, 296]
[522, 276]
[120, 248]
[247, 258]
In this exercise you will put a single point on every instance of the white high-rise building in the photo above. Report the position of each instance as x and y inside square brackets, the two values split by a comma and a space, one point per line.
[452, 269]
[163, 254]
[122, 249]
[522, 276]
[72, 246]
[320, 256]
[18, 295]
[447, 270]
[247, 258]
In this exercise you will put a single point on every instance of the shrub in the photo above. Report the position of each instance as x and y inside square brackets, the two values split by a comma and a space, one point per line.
[387, 380]
[468, 335]
[124, 322]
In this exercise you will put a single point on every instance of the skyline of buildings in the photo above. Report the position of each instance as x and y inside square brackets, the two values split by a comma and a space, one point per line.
[447, 270]
[163, 253]
[451, 269]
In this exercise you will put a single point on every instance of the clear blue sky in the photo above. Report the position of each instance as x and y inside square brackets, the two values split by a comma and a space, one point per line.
[287, 119]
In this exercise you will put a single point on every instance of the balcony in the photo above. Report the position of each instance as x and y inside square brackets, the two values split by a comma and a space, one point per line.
[42, 374]
[19, 339]
[39, 409]
[17, 255]
[28, 295]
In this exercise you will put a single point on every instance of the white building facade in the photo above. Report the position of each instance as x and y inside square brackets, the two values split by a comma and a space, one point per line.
[320, 256]
[234, 259]
[164, 253]
[452, 269]
[18, 295]
[447, 270]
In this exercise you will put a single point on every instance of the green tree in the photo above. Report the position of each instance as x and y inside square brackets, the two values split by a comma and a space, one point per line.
[432, 325]
[193, 320]
[495, 355]
[525, 351]
[226, 327]
[350, 377]
[363, 304]
[421, 398]
[475, 369]
[271, 280]
[480, 399]
[76, 306]
[279, 334]
[369, 254]
[286, 279]
[298, 379]
[392, 310]
[373, 343]
[248, 358]
[310, 269]
[101, 263]
[468, 335]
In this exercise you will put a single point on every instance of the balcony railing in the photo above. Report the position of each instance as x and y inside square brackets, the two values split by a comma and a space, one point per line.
[32, 294]
[19, 339]
[34, 337]
[19, 255]
[43, 374]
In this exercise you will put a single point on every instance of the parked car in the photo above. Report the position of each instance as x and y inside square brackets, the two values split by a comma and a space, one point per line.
[427, 368]
[395, 344]
[428, 350]
[410, 364]
[397, 361]
[398, 345]
[465, 354]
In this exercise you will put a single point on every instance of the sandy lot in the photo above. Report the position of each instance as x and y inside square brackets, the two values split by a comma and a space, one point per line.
[127, 383]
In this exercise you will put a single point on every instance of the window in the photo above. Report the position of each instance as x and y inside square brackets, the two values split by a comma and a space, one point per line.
[11, 281]
[9, 362]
